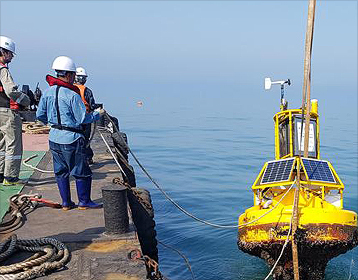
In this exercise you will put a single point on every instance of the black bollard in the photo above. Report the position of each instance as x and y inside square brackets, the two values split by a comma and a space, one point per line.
[115, 209]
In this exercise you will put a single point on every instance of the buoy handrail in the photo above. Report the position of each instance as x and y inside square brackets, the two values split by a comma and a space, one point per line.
[277, 204]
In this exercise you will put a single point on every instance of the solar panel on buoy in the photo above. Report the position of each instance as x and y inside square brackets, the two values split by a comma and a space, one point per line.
[278, 171]
[318, 170]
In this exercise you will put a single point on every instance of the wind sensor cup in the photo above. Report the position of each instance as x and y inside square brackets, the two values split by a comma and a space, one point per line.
[269, 83]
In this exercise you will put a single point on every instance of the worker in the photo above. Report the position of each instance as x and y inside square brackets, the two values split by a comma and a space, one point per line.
[10, 121]
[62, 108]
[88, 100]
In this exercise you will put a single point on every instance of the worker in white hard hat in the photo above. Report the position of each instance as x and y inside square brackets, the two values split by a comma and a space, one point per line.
[88, 100]
[10, 121]
[62, 108]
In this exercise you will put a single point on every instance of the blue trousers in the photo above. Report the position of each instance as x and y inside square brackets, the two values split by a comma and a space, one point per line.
[70, 159]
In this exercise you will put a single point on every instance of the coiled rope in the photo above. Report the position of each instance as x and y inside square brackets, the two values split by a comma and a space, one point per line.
[35, 128]
[19, 203]
[50, 254]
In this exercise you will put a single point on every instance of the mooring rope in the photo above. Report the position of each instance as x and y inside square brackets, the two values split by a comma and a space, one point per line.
[175, 203]
[50, 254]
[180, 254]
[110, 151]
[350, 268]
[255, 220]
[25, 162]
[163, 192]
[19, 203]
[284, 245]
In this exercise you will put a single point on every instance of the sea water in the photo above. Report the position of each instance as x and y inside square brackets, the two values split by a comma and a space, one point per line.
[205, 152]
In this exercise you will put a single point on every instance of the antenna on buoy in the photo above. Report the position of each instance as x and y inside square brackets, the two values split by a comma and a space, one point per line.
[269, 83]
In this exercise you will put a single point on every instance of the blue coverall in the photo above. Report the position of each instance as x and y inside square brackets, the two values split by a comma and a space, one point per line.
[68, 147]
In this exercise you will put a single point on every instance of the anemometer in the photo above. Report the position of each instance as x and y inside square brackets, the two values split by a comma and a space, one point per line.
[269, 83]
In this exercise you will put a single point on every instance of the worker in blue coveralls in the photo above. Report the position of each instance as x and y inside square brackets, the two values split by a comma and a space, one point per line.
[62, 108]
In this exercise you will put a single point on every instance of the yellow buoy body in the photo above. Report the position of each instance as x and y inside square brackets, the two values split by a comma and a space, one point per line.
[325, 229]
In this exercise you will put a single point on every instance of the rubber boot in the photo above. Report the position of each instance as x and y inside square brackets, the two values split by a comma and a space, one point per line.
[65, 193]
[84, 194]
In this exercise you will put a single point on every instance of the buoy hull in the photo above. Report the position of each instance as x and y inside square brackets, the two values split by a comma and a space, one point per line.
[317, 244]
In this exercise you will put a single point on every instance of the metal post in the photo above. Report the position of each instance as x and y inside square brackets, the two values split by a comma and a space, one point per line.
[115, 209]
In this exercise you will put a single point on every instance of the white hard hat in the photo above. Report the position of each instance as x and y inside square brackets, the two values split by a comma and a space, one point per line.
[7, 44]
[64, 63]
[80, 71]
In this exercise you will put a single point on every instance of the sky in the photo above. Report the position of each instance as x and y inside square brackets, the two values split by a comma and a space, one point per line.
[187, 51]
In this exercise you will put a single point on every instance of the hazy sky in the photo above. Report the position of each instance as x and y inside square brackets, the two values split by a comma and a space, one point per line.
[182, 49]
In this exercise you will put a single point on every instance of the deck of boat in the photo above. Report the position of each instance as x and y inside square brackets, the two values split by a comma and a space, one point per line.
[95, 255]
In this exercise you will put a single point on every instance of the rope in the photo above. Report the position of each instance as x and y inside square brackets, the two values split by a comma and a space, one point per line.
[10, 244]
[255, 220]
[175, 203]
[284, 245]
[110, 151]
[35, 128]
[50, 254]
[350, 268]
[180, 254]
[163, 192]
[18, 204]
[33, 167]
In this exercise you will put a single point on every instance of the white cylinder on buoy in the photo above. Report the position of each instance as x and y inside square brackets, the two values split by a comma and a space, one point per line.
[314, 106]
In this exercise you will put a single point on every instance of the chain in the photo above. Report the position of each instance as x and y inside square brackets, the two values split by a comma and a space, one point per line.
[151, 264]
[134, 191]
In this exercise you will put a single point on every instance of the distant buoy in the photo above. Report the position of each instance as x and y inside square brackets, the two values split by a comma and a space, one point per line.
[139, 103]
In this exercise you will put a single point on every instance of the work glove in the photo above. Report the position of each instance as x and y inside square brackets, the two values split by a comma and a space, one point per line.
[101, 111]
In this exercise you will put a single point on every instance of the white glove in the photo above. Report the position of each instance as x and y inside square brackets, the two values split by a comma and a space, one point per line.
[101, 111]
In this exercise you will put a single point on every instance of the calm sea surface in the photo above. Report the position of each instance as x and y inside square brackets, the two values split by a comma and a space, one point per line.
[206, 155]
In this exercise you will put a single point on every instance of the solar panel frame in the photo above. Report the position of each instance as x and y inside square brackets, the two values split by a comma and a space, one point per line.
[318, 170]
[277, 171]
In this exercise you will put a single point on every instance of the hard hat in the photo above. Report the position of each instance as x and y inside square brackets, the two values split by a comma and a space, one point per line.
[7, 44]
[80, 71]
[64, 63]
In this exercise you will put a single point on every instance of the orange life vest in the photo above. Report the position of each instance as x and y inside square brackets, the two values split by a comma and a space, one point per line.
[5, 101]
[82, 93]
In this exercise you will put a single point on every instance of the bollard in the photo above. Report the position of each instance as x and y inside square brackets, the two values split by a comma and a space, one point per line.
[115, 209]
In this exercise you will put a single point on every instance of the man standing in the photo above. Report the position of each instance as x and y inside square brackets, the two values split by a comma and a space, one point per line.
[62, 108]
[10, 121]
[88, 100]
